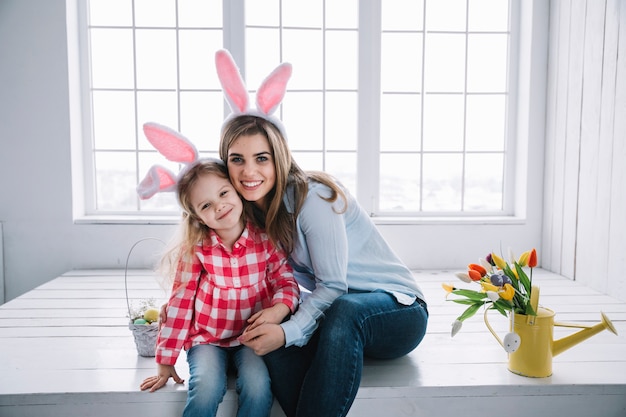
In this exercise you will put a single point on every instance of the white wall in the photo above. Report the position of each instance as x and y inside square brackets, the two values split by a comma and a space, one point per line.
[41, 239]
[584, 234]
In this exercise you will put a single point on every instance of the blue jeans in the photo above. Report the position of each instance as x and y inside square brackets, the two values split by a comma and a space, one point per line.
[322, 378]
[208, 367]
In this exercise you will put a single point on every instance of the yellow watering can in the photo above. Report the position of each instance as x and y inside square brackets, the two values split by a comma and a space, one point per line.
[530, 344]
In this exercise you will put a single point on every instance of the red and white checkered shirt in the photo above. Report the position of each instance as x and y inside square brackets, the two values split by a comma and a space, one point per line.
[228, 288]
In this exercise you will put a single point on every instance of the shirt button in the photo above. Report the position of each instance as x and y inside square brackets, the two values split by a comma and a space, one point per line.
[233, 262]
[237, 282]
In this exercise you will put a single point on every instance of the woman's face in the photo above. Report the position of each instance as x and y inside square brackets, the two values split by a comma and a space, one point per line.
[251, 168]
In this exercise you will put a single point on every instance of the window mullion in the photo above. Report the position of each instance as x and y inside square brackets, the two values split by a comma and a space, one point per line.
[368, 144]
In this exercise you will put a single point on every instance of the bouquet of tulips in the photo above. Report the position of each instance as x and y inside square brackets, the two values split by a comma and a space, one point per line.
[504, 286]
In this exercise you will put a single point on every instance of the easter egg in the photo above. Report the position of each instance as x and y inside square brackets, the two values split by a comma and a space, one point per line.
[151, 315]
[140, 321]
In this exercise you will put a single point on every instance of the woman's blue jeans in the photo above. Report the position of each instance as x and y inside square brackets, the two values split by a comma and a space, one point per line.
[208, 367]
[322, 378]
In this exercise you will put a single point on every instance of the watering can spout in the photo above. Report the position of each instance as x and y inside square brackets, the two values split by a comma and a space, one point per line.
[567, 342]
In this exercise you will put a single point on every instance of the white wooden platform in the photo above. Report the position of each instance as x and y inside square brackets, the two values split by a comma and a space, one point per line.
[65, 350]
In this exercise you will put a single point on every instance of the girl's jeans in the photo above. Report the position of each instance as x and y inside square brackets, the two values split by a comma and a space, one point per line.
[322, 378]
[208, 366]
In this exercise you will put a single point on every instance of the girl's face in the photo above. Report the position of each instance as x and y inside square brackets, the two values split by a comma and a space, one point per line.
[251, 168]
[216, 203]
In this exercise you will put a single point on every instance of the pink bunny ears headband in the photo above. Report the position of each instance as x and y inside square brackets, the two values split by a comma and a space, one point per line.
[177, 148]
[268, 97]
[174, 147]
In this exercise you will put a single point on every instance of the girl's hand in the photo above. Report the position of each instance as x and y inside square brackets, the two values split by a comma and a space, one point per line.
[158, 381]
[271, 315]
[264, 339]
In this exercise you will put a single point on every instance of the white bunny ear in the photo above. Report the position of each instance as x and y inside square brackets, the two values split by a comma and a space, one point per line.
[273, 88]
[170, 143]
[232, 83]
[156, 180]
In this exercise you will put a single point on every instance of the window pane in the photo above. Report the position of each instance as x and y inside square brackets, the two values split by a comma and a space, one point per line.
[155, 106]
[484, 182]
[116, 181]
[444, 68]
[443, 122]
[486, 63]
[114, 120]
[201, 118]
[342, 14]
[309, 161]
[263, 13]
[156, 59]
[159, 13]
[197, 62]
[112, 58]
[442, 182]
[303, 48]
[298, 13]
[261, 59]
[399, 182]
[341, 121]
[110, 13]
[343, 167]
[401, 62]
[445, 15]
[402, 14]
[200, 13]
[485, 123]
[342, 60]
[488, 15]
[400, 123]
[303, 120]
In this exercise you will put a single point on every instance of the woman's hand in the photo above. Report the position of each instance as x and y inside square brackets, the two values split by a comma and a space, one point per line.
[157, 381]
[272, 315]
[264, 338]
[163, 315]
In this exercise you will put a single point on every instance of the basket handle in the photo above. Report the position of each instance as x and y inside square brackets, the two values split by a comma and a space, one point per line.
[126, 268]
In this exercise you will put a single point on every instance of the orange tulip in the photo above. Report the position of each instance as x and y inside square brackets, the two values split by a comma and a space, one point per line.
[532, 258]
[478, 268]
[474, 275]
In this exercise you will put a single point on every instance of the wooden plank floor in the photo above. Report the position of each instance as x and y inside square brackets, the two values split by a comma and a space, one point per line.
[65, 350]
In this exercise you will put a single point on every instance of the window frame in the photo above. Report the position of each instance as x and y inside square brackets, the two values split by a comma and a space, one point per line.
[515, 203]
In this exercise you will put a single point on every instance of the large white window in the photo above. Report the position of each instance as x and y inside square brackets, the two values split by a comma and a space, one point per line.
[409, 103]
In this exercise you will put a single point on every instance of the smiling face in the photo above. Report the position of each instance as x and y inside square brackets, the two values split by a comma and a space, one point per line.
[215, 202]
[251, 168]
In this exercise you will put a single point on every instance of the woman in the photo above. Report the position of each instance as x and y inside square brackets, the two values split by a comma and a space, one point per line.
[364, 301]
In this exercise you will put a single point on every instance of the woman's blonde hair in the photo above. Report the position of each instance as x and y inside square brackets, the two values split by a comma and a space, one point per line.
[278, 223]
[191, 230]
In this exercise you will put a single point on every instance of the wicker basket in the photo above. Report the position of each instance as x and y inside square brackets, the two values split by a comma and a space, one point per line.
[145, 338]
[145, 334]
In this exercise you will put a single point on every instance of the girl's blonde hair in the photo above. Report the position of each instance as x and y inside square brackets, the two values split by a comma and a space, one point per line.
[278, 223]
[191, 230]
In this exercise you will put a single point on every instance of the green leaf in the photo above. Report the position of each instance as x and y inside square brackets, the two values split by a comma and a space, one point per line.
[471, 294]
[462, 301]
[523, 278]
[469, 312]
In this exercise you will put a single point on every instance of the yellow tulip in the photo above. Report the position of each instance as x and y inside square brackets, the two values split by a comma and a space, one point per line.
[508, 293]
[449, 288]
[523, 259]
[488, 286]
[500, 263]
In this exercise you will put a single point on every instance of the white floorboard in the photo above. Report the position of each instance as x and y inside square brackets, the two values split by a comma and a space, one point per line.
[65, 350]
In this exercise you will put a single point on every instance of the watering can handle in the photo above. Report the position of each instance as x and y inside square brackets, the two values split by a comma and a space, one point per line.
[493, 332]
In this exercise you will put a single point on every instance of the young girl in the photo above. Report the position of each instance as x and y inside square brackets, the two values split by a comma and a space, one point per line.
[226, 274]
[363, 301]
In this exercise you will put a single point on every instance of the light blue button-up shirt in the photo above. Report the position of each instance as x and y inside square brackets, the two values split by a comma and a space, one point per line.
[336, 252]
